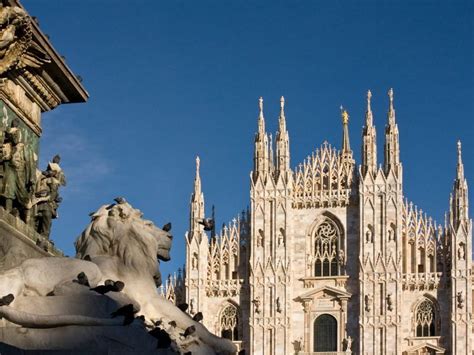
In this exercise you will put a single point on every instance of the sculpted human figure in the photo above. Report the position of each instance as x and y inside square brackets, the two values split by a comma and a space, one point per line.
[368, 303]
[47, 196]
[19, 174]
[348, 344]
[256, 303]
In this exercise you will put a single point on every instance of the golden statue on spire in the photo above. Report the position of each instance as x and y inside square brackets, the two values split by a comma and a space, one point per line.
[344, 115]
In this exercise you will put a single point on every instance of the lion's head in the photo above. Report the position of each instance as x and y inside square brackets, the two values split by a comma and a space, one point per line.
[118, 230]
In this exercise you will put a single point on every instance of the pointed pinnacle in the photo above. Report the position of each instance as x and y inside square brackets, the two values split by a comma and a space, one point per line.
[391, 111]
[459, 152]
[460, 167]
[261, 120]
[282, 121]
[368, 114]
[198, 163]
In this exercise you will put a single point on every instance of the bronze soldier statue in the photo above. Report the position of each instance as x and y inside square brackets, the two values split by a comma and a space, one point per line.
[18, 176]
[47, 196]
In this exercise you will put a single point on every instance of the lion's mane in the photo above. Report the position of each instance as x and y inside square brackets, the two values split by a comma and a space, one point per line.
[118, 230]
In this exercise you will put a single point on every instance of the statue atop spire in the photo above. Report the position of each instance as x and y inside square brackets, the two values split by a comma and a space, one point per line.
[261, 120]
[282, 144]
[261, 152]
[197, 181]
[281, 120]
[344, 115]
[391, 110]
[460, 165]
[459, 197]
[459, 153]
[198, 161]
[369, 97]
[368, 113]
[392, 144]
[345, 133]
[369, 146]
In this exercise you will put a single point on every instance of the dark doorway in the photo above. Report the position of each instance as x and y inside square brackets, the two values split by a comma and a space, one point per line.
[325, 333]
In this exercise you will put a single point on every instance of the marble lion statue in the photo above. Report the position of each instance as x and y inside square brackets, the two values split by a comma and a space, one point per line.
[118, 244]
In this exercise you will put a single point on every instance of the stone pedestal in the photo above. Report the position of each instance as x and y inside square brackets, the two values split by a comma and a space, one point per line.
[74, 339]
[19, 241]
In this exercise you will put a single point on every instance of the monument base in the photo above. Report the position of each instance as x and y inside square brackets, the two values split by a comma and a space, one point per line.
[19, 241]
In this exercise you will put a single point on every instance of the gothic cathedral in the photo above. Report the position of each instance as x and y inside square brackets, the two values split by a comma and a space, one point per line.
[331, 258]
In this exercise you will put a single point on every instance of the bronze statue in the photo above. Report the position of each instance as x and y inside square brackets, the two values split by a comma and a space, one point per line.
[47, 196]
[18, 165]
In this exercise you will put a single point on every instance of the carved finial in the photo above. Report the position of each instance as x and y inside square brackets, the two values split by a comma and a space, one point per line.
[282, 103]
[390, 95]
[369, 97]
[260, 105]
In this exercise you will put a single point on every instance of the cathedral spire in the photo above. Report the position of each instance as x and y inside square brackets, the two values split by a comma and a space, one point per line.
[282, 142]
[261, 119]
[459, 203]
[392, 146]
[460, 166]
[391, 110]
[369, 119]
[261, 151]
[346, 147]
[197, 203]
[197, 181]
[369, 140]
[282, 119]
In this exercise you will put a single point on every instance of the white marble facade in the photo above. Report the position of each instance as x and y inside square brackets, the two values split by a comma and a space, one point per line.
[332, 258]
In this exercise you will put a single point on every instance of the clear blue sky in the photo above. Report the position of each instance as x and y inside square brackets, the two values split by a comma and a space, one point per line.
[172, 79]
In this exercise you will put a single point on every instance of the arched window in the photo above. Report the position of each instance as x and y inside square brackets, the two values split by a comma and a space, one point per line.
[326, 249]
[229, 322]
[425, 319]
[325, 333]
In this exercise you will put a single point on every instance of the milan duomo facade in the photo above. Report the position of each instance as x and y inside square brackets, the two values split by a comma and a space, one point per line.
[331, 258]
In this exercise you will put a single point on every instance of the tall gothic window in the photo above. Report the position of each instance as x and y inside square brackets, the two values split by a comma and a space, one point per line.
[425, 319]
[229, 322]
[326, 247]
[325, 333]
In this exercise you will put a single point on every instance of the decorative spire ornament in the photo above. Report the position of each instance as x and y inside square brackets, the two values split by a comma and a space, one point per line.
[346, 148]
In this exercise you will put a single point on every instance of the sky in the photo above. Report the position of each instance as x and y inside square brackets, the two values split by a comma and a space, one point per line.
[169, 80]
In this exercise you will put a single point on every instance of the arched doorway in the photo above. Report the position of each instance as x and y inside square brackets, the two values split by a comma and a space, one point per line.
[325, 333]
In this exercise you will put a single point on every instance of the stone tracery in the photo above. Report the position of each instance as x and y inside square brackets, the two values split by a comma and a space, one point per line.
[229, 322]
[326, 249]
[425, 319]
